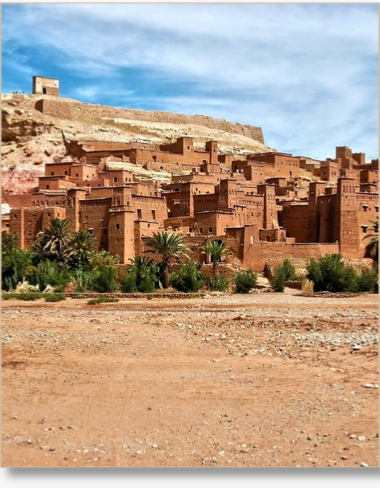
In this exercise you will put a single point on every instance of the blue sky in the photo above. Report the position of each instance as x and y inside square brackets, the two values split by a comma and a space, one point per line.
[306, 73]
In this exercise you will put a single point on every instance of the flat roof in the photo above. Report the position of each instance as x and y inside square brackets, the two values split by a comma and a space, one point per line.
[45, 77]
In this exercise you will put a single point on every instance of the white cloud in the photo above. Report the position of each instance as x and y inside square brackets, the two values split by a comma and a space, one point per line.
[306, 73]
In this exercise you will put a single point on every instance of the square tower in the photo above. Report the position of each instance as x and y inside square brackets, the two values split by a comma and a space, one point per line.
[45, 86]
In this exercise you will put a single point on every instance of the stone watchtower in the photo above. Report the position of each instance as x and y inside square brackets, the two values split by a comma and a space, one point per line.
[45, 86]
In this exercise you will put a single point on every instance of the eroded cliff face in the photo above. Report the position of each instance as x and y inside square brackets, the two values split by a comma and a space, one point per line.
[32, 133]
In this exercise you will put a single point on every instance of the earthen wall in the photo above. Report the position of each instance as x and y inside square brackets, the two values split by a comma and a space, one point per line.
[68, 109]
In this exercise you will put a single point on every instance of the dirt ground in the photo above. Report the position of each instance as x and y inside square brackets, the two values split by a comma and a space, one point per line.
[258, 380]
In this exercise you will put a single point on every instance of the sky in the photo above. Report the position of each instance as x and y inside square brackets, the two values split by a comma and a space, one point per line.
[306, 73]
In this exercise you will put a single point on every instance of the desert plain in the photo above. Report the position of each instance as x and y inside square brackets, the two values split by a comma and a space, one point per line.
[220, 380]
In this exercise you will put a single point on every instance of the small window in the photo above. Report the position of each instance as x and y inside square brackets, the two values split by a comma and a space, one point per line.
[77, 175]
[47, 187]
[210, 230]
[57, 214]
[104, 231]
[91, 231]
[52, 173]
[139, 213]
[115, 179]
[15, 216]
[49, 214]
[65, 173]
[117, 226]
[117, 240]
[201, 230]
[153, 214]
[365, 228]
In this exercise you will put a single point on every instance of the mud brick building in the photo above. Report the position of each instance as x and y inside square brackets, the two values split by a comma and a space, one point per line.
[265, 206]
[45, 86]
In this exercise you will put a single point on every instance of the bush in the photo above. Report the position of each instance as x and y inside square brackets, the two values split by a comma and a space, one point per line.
[289, 270]
[48, 273]
[245, 280]
[8, 296]
[188, 277]
[128, 283]
[278, 279]
[220, 283]
[14, 262]
[367, 280]
[103, 280]
[330, 273]
[147, 285]
[28, 297]
[142, 276]
[96, 301]
[55, 297]
[82, 278]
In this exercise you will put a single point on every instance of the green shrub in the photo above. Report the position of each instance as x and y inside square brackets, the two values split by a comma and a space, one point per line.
[28, 297]
[221, 283]
[81, 278]
[55, 297]
[188, 277]
[48, 273]
[14, 262]
[96, 301]
[128, 283]
[103, 280]
[142, 276]
[245, 280]
[278, 279]
[8, 296]
[367, 280]
[147, 285]
[289, 270]
[349, 280]
[330, 273]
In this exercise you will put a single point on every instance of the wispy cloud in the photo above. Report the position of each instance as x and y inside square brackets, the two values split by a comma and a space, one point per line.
[306, 73]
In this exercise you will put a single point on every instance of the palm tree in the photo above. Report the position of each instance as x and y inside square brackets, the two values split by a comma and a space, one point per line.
[217, 250]
[372, 248]
[54, 242]
[170, 247]
[82, 247]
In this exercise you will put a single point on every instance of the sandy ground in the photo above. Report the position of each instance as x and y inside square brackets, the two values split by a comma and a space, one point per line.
[258, 380]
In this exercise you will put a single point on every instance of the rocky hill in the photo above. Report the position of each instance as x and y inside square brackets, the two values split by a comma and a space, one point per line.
[32, 128]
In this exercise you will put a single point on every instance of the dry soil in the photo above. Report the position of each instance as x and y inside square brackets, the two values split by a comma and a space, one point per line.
[258, 380]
